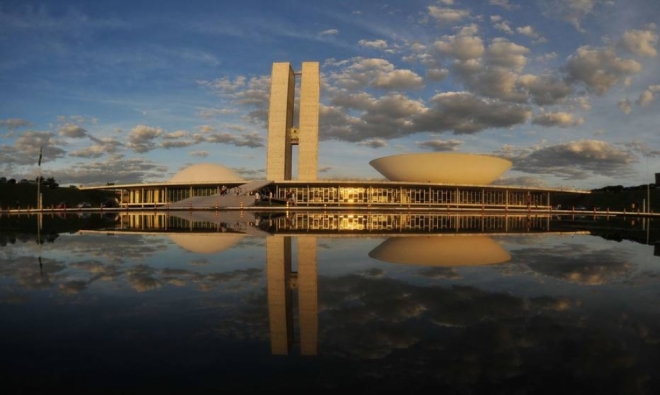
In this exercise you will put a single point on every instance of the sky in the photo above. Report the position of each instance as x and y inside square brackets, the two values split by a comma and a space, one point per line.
[134, 91]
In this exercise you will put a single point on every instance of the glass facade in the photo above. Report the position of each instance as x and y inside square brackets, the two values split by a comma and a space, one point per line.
[368, 194]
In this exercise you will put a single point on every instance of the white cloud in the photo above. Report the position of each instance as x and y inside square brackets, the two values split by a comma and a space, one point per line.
[600, 68]
[572, 11]
[329, 32]
[560, 119]
[72, 131]
[575, 160]
[625, 106]
[375, 44]
[445, 15]
[141, 138]
[14, 123]
[501, 3]
[646, 97]
[440, 145]
[640, 42]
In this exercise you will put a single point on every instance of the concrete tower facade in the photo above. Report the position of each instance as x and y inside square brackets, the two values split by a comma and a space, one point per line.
[281, 132]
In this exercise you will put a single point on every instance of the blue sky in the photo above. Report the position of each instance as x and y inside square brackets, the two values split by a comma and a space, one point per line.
[134, 91]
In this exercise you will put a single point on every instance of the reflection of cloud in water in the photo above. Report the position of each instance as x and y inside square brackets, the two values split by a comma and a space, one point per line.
[72, 287]
[132, 247]
[461, 250]
[440, 273]
[577, 263]
[462, 336]
[200, 262]
[28, 274]
[141, 278]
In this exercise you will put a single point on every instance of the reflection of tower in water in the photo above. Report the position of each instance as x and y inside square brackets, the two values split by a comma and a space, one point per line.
[283, 283]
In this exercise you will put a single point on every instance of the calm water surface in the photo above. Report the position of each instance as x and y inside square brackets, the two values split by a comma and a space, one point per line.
[408, 303]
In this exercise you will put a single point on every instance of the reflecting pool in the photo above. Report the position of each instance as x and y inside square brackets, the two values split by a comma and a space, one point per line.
[201, 301]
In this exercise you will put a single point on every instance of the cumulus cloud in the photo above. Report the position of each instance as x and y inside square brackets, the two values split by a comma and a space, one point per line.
[252, 139]
[14, 123]
[625, 106]
[72, 131]
[572, 11]
[440, 145]
[640, 42]
[544, 89]
[531, 33]
[599, 69]
[200, 154]
[502, 52]
[25, 150]
[648, 96]
[461, 47]
[375, 73]
[561, 119]
[463, 112]
[115, 168]
[575, 160]
[141, 138]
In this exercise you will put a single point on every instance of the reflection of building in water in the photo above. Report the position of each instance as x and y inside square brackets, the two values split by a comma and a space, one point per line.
[283, 283]
[226, 221]
[441, 250]
[402, 223]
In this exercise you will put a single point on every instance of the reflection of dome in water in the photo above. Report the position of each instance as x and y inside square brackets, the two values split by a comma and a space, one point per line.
[441, 251]
[206, 243]
[205, 172]
[442, 167]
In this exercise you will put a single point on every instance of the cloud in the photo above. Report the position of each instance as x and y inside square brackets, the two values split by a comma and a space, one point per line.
[14, 123]
[461, 47]
[640, 42]
[141, 138]
[561, 119]
[25, 150]
[72, 131]
[575, 160]
[440, 145]
[374, 73]
[625, 106]
[599, 69]
[465, 113]
[445, 15]
[329, 32]
[544, 89]
[115, 168]
[208, 113]
[252, 139]
[501, 3]
[375, 44]
[374, 143]
[572, 11]
[648, 96]
[199, 154]
[530, 32]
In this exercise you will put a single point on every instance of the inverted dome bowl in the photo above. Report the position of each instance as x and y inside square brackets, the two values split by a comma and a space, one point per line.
[445, 168]
[441, 251]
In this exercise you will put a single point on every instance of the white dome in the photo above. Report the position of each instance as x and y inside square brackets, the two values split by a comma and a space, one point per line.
[205, 172]
[447, 168]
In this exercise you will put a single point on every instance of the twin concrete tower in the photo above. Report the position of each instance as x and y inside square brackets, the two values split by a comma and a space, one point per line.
[282, 135]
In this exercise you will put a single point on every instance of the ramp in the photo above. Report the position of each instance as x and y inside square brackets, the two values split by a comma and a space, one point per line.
[237, 197]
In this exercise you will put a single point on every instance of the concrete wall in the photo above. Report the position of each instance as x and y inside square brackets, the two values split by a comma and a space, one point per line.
[308, 146]
[280, 121]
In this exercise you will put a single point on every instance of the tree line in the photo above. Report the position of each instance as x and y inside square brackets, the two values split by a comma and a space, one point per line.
[47, 182]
